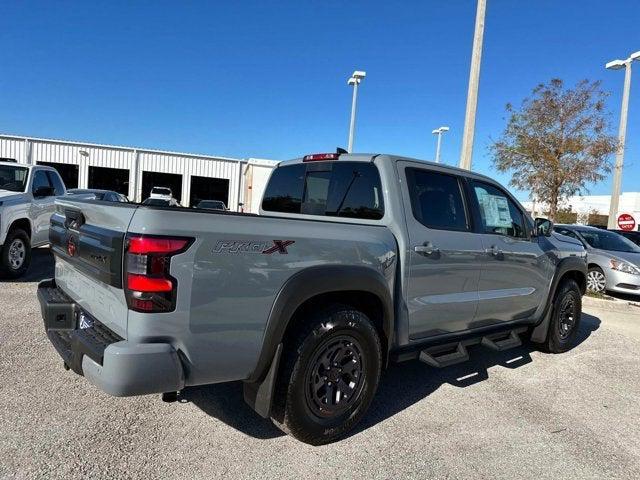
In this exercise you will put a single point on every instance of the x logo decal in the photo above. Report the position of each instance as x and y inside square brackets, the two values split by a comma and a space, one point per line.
[279, 246]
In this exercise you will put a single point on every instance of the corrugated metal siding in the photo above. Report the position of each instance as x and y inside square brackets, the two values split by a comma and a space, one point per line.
[187, 165]
[12, 148]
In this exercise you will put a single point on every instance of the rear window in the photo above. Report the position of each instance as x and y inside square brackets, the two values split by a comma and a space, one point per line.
[334, 189]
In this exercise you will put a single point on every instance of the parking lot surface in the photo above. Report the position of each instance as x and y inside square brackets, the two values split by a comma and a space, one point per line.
[514, 414]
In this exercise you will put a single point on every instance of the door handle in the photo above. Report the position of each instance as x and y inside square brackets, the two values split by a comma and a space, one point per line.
[427, 249]
[494, 251]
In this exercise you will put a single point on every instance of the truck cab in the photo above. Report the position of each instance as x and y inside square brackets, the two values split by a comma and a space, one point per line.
[27, 201]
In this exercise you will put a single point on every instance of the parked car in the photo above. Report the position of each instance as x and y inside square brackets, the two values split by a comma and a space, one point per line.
[96, 194]
[27, 194]
[161, 202]
[354, 262]
[632, 235]
[613, 260]
[161, 192]
[211, 205]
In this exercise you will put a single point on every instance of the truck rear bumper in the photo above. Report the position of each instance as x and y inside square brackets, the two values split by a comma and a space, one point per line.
[117, 367]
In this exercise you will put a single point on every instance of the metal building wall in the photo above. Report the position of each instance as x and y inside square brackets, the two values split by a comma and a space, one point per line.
[32, 150]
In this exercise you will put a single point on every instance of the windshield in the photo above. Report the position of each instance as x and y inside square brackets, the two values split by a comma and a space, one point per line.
[13, 178]
[609, 241]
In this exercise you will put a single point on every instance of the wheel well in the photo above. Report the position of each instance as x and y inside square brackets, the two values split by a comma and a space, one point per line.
[594, 265]
[366, 302]
[579, 278]
[22, 224]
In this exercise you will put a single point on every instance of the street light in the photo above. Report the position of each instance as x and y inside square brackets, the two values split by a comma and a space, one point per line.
[354, 80]
[622, 133]
[439, 132]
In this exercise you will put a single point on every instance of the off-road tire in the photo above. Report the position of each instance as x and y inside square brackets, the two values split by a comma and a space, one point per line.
[8, 267]
[565, 318]
[296, 407]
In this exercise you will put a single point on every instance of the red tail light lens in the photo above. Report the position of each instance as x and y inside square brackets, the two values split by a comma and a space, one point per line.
[149, 287]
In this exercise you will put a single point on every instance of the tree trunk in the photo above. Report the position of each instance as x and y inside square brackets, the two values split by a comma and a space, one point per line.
[553, 205]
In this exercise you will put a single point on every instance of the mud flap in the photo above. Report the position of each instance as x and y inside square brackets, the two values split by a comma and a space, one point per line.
[259, 395]
[539, 333]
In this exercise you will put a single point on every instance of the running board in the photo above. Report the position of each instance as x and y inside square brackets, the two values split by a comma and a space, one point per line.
[443, 356]
[500, 341]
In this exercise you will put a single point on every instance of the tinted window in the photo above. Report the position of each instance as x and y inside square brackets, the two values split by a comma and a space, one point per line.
[337, 189]
[284, 190]
[57, 184]
[498, 212]
[436, 199]
[39, 180]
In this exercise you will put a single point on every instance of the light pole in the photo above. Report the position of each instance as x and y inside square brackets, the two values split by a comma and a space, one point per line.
[354, 80]
[622, 133]
[472, 92]
[439, 132]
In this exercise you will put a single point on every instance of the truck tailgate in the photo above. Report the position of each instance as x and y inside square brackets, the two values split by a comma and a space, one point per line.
[87, 239]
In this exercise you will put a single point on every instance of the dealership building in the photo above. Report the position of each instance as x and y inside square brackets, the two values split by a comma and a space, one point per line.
[134, 171]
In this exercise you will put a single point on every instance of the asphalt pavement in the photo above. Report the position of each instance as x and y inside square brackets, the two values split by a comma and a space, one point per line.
[503, 415]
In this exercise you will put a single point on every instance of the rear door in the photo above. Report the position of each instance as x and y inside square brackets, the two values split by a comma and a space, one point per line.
[445, 256]
[87, 240]
[516, 272]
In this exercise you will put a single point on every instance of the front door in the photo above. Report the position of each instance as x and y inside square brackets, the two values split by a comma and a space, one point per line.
[516, 272]
[42, 207]
[445, 255]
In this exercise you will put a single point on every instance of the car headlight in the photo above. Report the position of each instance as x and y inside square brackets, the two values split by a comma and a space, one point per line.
[624, 267]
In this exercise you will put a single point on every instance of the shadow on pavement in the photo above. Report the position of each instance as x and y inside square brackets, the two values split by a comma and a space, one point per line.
[42, 266]
[400, 387]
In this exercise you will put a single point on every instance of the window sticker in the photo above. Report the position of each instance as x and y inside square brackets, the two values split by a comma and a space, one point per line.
[496, 210]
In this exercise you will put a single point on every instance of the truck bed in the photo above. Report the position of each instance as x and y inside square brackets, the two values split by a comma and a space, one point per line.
[227, 280]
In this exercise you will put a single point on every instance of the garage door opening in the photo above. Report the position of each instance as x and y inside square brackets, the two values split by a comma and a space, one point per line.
[206, 188]
[155, 179]
[69, 173]
[116, 179]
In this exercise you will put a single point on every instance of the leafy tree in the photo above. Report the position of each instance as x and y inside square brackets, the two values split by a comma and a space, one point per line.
[557, 142]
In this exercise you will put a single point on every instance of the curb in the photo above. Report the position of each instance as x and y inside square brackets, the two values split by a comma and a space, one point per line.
[612, 304]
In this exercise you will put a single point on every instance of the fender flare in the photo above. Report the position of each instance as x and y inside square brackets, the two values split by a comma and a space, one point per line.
[304, 285]
[569, 264]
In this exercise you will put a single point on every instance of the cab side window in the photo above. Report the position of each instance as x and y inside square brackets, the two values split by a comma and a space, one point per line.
[56, 183]
[40, 180]
[436, 200]
[499, 214]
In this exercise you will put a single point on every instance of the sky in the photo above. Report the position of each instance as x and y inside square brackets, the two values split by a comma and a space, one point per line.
[269, 79]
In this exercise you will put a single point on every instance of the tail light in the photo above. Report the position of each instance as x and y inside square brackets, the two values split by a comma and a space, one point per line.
[149, 287]
[320, 157]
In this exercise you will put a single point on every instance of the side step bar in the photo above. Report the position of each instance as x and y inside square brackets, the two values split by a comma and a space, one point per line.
[500, 341]
[441, 356]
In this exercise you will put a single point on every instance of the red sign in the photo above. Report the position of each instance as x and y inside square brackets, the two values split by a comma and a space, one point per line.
[626, 222]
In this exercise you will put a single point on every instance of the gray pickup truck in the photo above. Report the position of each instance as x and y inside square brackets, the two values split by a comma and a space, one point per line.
[355, 261]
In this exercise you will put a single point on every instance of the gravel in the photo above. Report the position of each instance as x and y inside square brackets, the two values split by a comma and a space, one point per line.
[513, 414]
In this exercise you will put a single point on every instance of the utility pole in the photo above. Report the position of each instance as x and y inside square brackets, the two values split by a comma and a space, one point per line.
[622, 134]
[472, 93]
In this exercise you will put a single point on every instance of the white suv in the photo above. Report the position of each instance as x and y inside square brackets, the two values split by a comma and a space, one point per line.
[27, 194]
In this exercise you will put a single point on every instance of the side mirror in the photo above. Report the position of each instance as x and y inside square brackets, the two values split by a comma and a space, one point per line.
[544, 226]
[42, 192]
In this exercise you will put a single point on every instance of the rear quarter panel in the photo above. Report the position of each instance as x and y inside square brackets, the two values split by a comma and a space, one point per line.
[226, 286]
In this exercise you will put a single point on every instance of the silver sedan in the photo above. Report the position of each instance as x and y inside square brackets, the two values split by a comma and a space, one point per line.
[614, 261]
